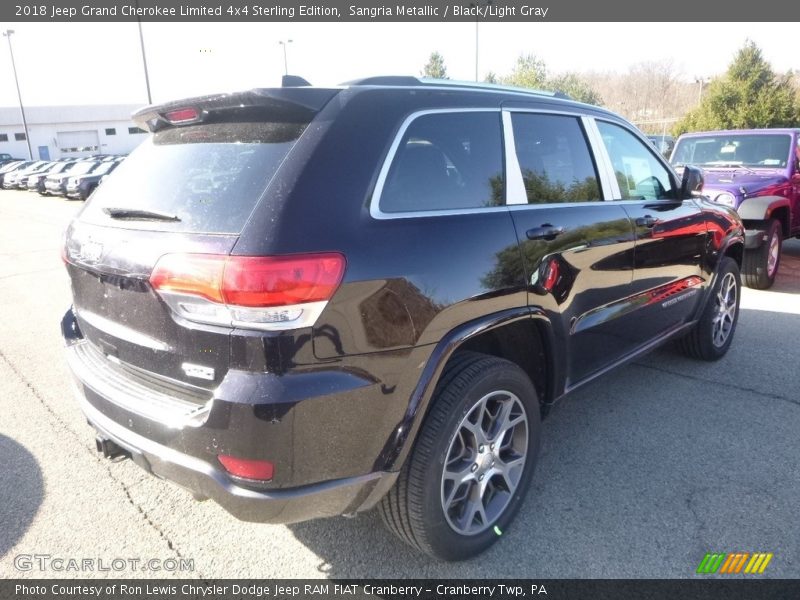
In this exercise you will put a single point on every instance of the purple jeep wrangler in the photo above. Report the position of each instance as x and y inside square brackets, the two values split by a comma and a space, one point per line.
[757, 172]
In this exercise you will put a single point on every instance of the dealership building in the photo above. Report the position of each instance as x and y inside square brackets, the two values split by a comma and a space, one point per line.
[70, 131]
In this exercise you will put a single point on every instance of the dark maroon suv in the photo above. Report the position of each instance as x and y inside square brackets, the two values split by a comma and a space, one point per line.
[303, 302]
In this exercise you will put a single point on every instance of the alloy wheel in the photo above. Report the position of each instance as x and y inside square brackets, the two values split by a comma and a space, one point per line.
[726, 310]
[484, 463]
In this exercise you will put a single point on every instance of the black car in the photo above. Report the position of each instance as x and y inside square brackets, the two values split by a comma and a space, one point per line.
[303, 302]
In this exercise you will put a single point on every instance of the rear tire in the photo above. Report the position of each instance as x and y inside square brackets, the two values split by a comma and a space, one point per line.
[471, 466]
[760, 265]
[711, 337]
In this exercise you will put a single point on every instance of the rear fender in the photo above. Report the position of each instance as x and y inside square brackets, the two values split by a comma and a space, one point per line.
[399, 445]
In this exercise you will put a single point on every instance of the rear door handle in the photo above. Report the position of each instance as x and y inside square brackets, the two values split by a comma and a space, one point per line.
[545, 232]
[646, 221]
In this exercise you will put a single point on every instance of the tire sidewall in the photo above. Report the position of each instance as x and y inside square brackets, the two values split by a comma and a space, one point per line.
[446, 542]
[706, 326]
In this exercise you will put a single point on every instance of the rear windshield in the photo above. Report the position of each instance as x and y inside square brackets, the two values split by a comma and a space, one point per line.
[209, 176]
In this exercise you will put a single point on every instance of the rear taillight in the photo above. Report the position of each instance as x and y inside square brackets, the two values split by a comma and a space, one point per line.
[261, 470]
[269, 293]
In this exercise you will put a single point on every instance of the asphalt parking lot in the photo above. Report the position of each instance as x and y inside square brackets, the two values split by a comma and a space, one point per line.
[640, 474]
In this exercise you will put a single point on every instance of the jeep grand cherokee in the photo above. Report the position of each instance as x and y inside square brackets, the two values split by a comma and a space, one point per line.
[303, 302]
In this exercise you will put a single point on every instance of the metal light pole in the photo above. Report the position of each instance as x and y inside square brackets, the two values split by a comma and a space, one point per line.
[701, 81]
[476, 5]
[285, 43]
[476, 49]
[144, 56]
[7, 34]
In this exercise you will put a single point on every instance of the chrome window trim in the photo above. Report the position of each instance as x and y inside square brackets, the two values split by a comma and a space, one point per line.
[601, 169]
[515, 183]
[544, 111]
[374, 202]
[608, 180]
[515, 195]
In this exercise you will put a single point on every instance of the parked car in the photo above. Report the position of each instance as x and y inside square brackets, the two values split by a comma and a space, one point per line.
[7, 158]
[304, 302]
[81, 186]
[56, 184]
[757, 172]
[12, 170]
[35, 183]
[20, 181]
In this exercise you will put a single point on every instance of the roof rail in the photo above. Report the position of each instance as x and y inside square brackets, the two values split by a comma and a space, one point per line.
[409, 81]
[398, 80]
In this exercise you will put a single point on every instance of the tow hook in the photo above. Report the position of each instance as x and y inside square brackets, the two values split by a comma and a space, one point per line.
[110, 449]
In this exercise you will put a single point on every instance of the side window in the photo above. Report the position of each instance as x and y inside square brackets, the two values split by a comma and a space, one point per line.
[447, 161]
[797, 154]
[639, 174]
[554, 159]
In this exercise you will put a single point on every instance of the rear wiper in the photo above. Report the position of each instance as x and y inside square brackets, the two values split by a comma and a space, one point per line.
[140, 214]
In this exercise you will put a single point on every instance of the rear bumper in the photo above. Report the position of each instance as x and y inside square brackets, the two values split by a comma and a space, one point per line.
[327, 499]
[322, 472]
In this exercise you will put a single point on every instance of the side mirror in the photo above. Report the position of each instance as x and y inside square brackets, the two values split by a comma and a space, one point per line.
[692, 182]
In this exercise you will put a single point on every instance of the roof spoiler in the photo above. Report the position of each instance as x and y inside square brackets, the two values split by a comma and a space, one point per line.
[286, 104]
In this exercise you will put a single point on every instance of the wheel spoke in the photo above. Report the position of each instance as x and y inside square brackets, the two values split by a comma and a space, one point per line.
[476, 509]
[484, 463]
[457, 495]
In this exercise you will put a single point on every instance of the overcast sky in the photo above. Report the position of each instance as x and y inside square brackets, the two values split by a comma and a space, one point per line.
[98, 63]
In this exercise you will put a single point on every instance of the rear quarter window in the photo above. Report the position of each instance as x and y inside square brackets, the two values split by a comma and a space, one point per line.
[209, 176]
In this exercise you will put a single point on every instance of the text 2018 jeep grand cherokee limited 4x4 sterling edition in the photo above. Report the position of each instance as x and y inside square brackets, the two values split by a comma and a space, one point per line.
[303, 302]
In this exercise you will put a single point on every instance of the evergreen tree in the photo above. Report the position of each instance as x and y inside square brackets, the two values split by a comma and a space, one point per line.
[575, 87]
[435, 67]
[748, 95]
[531, 72]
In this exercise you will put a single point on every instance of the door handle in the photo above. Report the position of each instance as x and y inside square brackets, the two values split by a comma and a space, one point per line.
[545, 232]
[646, 221]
